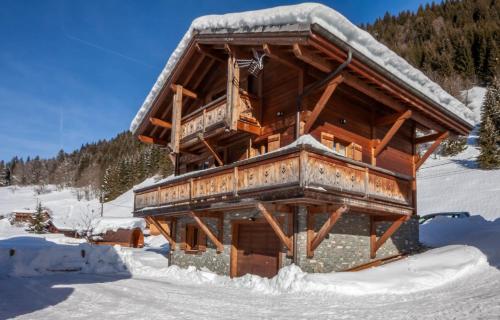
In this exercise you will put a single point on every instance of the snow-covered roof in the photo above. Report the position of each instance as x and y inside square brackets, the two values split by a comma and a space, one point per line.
[102, 225]
[309, 14]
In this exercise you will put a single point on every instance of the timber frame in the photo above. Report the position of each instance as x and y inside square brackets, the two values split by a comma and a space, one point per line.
[314, 239]
[236, 141]
[375, 243]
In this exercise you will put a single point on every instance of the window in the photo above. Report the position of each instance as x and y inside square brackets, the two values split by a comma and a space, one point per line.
[273, 142]
[346, 148]
[195, 239]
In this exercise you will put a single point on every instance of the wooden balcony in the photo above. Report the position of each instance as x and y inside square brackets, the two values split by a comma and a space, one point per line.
[301, 174]
[214, 118]
[206, 118]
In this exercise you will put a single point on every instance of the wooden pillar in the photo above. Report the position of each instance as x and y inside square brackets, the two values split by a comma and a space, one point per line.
[176, 120]
[233, 93]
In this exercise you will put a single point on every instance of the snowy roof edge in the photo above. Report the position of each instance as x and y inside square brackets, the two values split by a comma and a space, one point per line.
[330, 20]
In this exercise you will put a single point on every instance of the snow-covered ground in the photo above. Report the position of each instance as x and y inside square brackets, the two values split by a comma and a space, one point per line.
[66, 209]
[452, 282]
[456, 183]
[50, 276]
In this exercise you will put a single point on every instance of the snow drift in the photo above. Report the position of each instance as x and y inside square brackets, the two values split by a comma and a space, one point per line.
[421, 272]
[35, 256]
[474, 231]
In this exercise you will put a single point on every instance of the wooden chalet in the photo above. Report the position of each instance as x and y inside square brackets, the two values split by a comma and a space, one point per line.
[290, 145]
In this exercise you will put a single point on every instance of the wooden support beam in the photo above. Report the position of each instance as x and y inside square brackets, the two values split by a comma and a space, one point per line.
[152, 140]
[386, 120]
[386, 99]
[166, 233]
[428, 138]
[207, 231]
[320, 105]
[249, 127]
[209, 52]
[175, 138]
[212, 150]
[280, 56]
[392, 131]
[421, 160]
[314, 241]
[387, 234]
[311, 58]
[232, 92]
[160, 123]
[186, 92]
[287, 241]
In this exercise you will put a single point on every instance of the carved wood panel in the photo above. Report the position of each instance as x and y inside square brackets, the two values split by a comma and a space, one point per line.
[174, 193]
[204, 119]
[269, 174]
[389, 188]
[146, 199]
[248, 106]
[335, 175]
[212, 186]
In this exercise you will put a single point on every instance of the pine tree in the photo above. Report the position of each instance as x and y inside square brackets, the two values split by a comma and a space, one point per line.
[453, 146]
[38, 222]
[489, 134]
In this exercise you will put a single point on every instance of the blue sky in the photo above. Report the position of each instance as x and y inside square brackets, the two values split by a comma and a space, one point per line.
[76, 71]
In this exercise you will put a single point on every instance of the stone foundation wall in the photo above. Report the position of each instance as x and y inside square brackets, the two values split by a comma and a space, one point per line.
[348, 244]
[210, 259]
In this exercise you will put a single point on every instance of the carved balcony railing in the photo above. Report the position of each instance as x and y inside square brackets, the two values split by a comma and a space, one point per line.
[301, 168]
[206, 118]
[215, 117]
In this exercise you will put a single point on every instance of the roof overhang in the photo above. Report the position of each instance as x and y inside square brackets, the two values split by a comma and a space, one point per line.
[302, 33]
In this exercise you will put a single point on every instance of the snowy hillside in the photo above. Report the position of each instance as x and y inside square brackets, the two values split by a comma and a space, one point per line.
[66, 210]
[456, 183]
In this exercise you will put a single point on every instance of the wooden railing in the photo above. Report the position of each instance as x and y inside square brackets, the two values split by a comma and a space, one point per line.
[302, 167]
[204, 119]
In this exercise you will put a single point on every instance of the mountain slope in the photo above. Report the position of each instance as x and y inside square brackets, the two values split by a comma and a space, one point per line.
[456, 183]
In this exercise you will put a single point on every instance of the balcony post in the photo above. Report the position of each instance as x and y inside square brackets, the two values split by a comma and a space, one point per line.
[235, 181]
[303, 172]
[191, 189]
[367, 181]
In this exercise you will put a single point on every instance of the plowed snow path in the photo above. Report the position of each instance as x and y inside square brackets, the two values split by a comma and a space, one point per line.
[93, 297]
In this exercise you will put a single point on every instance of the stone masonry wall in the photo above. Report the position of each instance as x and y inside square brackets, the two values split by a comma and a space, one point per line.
[348, 244]
[210, 259]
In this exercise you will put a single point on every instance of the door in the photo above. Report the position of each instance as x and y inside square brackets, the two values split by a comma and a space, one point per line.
[258, 250]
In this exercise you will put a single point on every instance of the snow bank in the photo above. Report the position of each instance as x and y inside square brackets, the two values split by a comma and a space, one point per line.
[34, 256]
[331, 20]
[102, 225]
[417, 273]
[474, 231]
[156, 242]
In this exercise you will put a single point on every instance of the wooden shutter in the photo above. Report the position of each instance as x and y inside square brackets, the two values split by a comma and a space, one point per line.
[355, 152]
[273, 142]
[327, 139]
